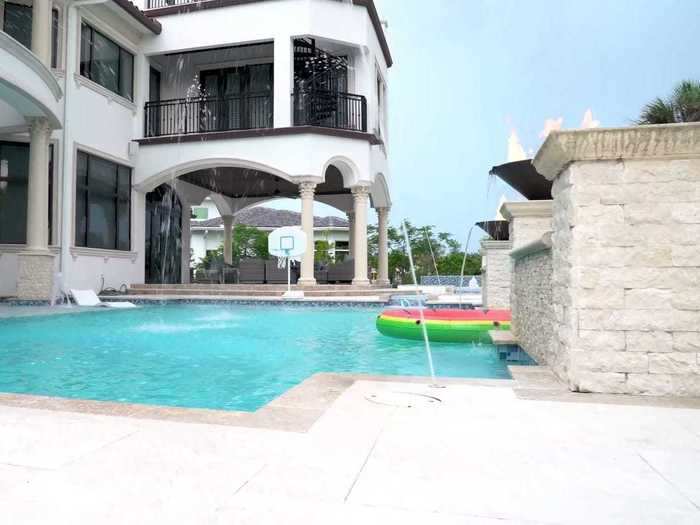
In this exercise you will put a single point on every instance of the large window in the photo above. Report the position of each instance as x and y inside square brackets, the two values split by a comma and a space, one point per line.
[14, 175]
[236, 98]
[17, 22]
[102, 204]
[104, 62]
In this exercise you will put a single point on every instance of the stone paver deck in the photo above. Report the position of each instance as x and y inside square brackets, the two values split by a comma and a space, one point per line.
[481, 455]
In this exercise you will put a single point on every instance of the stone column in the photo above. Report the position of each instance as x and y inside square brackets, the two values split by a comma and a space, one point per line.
[383, 249]
[496, 274]
[38, 185]
[36, 264]
[228, 238]
[626, 258]
[527, 221]
[41, 31]
[351, 234]
[360, 195]
[306, 192]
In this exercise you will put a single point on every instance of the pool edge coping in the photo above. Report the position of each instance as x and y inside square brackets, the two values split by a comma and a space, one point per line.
[298, 408]
[295, 410]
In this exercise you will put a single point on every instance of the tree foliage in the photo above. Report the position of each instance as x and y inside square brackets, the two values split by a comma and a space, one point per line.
[429, 249]
[682, 106]
[247, 242]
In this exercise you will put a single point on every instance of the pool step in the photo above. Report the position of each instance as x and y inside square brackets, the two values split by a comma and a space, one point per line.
[245, 291]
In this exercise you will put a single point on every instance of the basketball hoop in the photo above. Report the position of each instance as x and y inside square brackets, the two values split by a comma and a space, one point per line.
[287, 244]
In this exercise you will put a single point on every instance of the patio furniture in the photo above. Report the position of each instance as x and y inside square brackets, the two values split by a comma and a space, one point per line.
[321, 274]
[343, 272]
[276, 275]
[229, 274]
[89, 298]
[207, 276]
[252, 271]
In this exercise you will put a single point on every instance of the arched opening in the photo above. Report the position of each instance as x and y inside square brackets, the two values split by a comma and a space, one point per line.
[198, 221]
[163, 247]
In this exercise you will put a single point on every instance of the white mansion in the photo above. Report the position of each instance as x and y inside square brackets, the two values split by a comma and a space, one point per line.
[115, 117]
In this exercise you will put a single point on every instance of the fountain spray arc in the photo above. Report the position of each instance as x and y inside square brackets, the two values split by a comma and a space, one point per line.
[464, 262]
[424, 328]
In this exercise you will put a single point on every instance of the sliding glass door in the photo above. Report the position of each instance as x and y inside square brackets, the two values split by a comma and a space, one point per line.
[236, 98]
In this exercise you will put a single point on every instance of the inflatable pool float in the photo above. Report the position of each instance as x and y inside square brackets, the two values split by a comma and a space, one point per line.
[443, 325]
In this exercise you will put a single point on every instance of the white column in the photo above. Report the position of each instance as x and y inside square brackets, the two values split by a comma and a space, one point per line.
[351, 236]
[36, 264]
[383, 251]
[41, 31]
[284, 81]
[360, 196]
[38, 185]
[228, 238]
[306, 192]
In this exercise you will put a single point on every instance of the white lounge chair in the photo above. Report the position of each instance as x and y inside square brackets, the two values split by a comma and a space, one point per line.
[89, 298]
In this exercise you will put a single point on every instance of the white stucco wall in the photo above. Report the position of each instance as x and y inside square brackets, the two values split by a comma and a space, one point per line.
[104, 124]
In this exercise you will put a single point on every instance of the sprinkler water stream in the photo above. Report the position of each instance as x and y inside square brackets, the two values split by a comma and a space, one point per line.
[464, 262]
[424, 329]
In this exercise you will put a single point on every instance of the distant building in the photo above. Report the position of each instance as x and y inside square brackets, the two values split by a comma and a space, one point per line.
[207, 227]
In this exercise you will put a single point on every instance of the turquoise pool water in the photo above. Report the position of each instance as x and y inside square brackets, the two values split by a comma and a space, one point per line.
[212, 356]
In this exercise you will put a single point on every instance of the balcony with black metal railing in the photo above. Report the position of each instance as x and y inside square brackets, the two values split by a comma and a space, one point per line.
[158, 4]
[188, 116]
[202, 115]
[330, 109]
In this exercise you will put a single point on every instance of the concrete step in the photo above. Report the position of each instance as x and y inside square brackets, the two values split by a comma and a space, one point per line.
[266, 287]
[245, 291]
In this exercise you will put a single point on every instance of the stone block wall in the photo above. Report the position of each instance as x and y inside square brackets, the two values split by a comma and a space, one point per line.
[528, 220]
[496, 273]
[531, 300]
[626, 258]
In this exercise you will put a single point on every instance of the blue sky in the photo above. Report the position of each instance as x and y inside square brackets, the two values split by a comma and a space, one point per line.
[466, 71]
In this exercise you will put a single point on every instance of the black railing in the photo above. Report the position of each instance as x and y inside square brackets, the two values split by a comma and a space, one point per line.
[157, 4]
[208, 114]
[330, 109]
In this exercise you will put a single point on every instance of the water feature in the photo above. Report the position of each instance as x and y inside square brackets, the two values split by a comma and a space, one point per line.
[464, 262]
[428, 351]
[58, 292]
[432, 254]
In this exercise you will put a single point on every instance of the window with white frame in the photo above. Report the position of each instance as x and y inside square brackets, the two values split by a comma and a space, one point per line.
[102, 203]
[105, 62]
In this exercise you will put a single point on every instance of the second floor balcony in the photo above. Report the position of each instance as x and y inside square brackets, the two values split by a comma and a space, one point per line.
[242, 95]
[254, 110]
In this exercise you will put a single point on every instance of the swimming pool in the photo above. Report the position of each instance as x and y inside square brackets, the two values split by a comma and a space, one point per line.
[231, 357]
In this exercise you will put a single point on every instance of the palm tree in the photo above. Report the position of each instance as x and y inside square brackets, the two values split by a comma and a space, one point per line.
[682, 106]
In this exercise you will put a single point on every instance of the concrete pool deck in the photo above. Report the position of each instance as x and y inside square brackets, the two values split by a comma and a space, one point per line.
[377, 450]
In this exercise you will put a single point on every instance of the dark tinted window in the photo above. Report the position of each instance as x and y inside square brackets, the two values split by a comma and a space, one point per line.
[104, 62]
[14, 174]
[18, 23]
[103, 204]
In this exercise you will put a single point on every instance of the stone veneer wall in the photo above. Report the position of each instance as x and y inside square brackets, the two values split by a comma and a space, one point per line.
[496, 274]
[531, 300]
[626, 258]
[528, 220]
